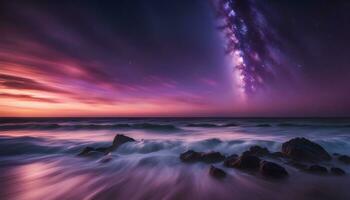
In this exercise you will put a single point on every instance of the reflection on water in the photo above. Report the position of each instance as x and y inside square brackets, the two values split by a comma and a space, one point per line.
[70, 179]
[42, 164]
[45, 180]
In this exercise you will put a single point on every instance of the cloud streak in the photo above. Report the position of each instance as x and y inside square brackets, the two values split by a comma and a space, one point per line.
[20, 83]
[24, 97]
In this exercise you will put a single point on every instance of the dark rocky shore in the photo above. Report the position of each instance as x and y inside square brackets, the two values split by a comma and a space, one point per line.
[299, 153]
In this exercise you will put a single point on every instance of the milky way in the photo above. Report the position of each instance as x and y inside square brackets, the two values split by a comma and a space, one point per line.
[250, 44]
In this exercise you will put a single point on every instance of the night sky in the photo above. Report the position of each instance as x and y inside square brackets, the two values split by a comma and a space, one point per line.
[175, 58]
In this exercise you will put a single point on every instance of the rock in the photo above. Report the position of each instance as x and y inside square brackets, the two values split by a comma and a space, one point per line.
[91, 152]
[216, 172]
[190, 156]
[86, 151]
[302, 149]
[247, 162]
[212, 157]
[193, 156]
[229, 161]
[272, 170]
[120, 139]
[337, 171]
[344, 159]
[277, 155]
[257, 151]
[317, 169]
[298, 165]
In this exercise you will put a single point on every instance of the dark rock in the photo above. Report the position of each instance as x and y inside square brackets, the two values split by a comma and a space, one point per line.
[257, 151]
[190, 156]
[247, 153]
[86, 151]
[229, 161]
[272, 170]
[344, 159]
[247, 162]
[277, 155]
[91, 152]
[212, 157]
[216, 172]
[193, 156]
[317, 169]
[298, 165]
[302, 149]
[120, 139]
[337, 171]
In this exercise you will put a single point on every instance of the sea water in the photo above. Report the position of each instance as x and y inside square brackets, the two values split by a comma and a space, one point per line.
[38, 158]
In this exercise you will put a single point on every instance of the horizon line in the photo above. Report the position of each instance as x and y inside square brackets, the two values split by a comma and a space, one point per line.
[8, 117]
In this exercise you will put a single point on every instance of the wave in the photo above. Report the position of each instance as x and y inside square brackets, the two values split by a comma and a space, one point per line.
[230, 125]
[301, 125]
[206, 125]
[155, 126]
[314, 125]
[25, 145]
[146, 126]
[210, 125]
[149, 146]
[263, 125]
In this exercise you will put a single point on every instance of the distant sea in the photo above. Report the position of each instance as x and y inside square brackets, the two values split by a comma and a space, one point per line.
[38, 158]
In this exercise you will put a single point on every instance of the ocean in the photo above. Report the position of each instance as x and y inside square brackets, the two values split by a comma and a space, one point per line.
[38, 158]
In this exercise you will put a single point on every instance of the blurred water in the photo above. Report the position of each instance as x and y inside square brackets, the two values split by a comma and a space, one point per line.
[38, 158]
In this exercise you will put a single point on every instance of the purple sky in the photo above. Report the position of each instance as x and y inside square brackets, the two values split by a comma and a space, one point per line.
[174, 58]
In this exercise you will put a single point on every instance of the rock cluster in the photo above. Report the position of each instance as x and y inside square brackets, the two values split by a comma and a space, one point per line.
[300, 153]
